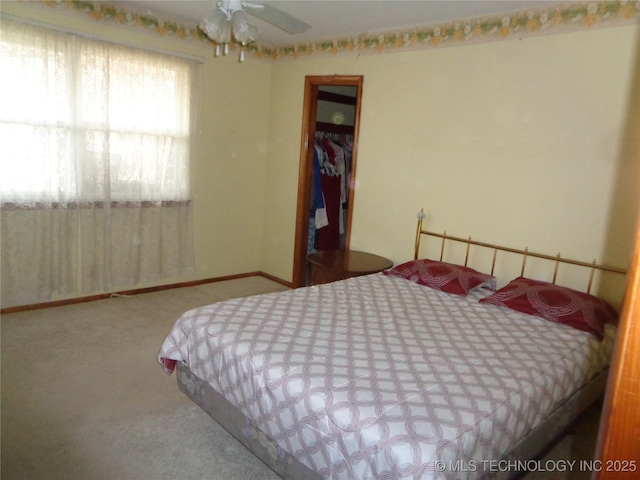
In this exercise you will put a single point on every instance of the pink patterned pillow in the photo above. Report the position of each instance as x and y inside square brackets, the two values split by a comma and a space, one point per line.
[556, 304]
[443, 276]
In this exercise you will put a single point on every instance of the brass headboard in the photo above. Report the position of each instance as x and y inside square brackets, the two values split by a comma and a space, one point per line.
[496, 248]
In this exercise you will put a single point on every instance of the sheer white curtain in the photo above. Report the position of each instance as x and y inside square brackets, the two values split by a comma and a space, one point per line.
[95, 142]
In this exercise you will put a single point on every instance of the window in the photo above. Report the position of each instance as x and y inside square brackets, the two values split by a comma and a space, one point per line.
[85, 121]
[95, 145]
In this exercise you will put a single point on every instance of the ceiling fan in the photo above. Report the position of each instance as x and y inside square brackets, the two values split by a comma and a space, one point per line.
[229, 21]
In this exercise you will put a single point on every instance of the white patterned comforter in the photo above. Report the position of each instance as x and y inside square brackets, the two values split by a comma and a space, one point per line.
[376, 377]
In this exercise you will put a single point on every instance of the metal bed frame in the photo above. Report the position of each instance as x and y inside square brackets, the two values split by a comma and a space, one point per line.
[593, 267]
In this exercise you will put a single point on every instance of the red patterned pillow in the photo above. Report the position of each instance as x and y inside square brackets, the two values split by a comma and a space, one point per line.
[443, 276]
[555, 303]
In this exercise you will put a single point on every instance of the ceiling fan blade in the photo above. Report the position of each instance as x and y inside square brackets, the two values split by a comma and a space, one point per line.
[277, 17]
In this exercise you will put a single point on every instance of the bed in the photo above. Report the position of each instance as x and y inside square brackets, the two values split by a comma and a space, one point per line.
[424, 371]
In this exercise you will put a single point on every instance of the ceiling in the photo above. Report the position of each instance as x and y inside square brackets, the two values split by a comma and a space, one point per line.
[331, 19]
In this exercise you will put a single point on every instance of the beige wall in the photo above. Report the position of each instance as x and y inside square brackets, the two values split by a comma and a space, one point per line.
[516, 142]
[231, 166]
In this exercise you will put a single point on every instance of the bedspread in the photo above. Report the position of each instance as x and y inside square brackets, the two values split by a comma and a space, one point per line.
[376, 377]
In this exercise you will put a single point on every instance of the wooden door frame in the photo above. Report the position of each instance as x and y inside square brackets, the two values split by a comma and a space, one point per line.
[309, 110]
[618, 438]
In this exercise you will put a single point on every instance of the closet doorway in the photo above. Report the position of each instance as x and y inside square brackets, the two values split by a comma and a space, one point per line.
[331, 110]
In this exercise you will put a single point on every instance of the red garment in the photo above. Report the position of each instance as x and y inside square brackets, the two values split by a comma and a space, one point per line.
[328, 238]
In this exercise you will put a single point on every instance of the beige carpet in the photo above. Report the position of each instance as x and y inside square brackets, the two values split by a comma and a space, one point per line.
[84, 398]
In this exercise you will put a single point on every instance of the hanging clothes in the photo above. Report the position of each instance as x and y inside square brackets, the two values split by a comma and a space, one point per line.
[331, 170]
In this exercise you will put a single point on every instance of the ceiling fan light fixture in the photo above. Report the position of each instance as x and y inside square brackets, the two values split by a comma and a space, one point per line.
[216, 26]
[243, 30]
[229, 22]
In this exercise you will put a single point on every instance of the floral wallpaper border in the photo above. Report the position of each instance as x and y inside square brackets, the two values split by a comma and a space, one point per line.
[572, 15]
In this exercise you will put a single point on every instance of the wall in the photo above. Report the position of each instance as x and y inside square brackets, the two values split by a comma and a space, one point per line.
[519, 141]
[624, 213]
[229, 165]
[515, 142]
